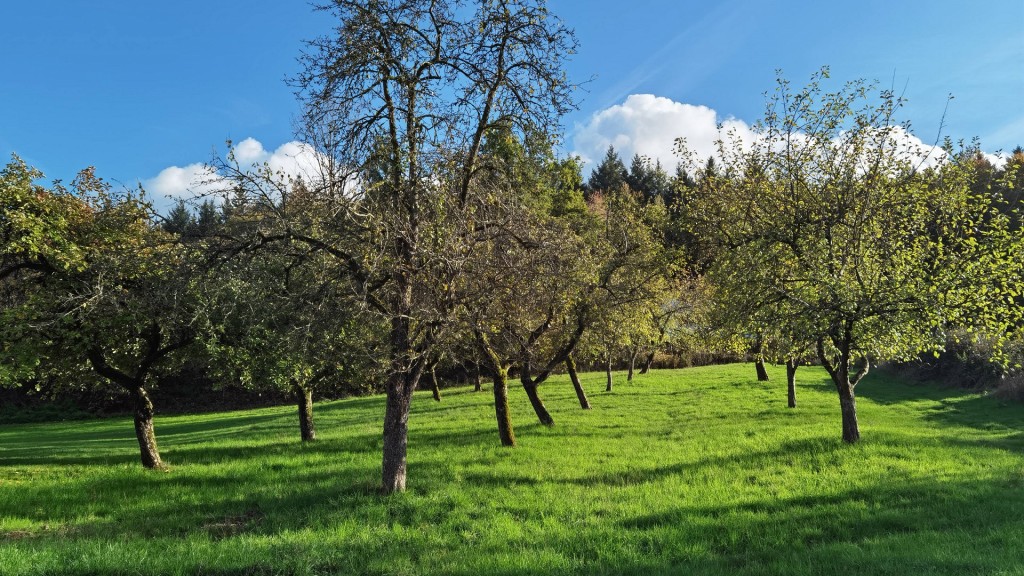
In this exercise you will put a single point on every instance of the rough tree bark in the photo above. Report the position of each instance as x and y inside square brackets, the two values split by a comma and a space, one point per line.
[632, 364]
[144, 432]
[581, 395]
[501, 411]
[405, 372]
[304, 399]
[396, 431]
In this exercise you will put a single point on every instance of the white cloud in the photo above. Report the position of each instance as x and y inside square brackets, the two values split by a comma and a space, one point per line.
[177, 182]
[291, 160]
[649, 125]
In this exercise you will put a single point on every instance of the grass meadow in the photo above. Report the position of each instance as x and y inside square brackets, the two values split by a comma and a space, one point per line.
[695, 471]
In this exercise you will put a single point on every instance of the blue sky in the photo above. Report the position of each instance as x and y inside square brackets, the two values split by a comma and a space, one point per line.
[138, 88]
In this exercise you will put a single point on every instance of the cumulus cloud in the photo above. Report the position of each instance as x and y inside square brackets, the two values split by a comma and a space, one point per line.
[649, 125]
[182, 182]
[291, 160]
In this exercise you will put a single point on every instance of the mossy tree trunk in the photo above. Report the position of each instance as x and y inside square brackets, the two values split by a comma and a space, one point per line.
[499, 369]
[501, 411]
[144, 433]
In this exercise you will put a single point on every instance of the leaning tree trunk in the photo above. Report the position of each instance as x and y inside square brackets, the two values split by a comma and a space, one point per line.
[501, 411]
[581, 395]
[304, 398]
[762, 373]
[791, 366]
[647, 363]
[758, 350]
[434, 386]
[632, 365]
[538, 405]
[608, 373]
[144, 428]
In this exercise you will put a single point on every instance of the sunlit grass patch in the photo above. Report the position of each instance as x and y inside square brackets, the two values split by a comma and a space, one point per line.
[698, 471]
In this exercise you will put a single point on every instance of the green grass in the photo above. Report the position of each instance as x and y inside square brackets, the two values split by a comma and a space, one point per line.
[698, 471]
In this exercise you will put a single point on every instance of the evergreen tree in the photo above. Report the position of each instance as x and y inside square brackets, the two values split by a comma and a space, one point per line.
[609, 175]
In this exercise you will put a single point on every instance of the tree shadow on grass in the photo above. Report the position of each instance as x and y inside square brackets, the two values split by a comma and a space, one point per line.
[866, 523]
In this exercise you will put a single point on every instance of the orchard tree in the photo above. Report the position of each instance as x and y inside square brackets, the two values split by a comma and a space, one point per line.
[529, 275]
[397, 102]
[278, 319]
[834, 213]
[110, 297]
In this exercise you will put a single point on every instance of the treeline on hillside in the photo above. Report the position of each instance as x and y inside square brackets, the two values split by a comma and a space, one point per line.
[441, 232]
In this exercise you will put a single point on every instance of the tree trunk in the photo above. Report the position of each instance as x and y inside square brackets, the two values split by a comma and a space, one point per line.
[434, 386]
[791, 366]
[762, 374]
[647, 363]
[538, 405]
[477, 384]
[608, 373]
[501, 411]
[144, 428]
[396, 431]
[632, 365]
[570, 366]
[840, 373]
[848, 404]
[304, 397]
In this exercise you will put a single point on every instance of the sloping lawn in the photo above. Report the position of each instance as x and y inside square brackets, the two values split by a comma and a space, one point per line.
[697, 471]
